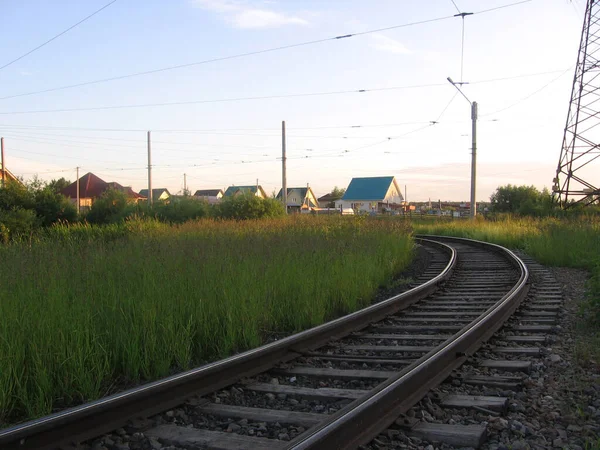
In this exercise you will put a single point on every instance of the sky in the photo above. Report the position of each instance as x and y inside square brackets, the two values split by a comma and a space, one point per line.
[218, 119]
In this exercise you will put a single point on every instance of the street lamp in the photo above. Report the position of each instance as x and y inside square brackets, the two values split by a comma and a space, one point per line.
[474, 148]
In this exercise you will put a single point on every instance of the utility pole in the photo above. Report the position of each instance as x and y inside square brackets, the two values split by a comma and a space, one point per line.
[3, 162]
[149, 172]
[405, 198]
[474, 160]
[77, 189]
[283, 168]
[184, 184]
[473, 149]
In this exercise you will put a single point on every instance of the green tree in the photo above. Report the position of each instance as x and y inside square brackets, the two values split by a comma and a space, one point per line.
[338, 192]
[179, 210]
[52, 207]
[15, 195]
[111, 207]
[524, 200]
[248, 206]
[58, 185]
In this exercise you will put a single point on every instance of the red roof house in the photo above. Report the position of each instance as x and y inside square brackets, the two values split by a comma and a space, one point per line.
[91, 187]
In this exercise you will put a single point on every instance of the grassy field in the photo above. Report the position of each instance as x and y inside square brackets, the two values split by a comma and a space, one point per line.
[87, 310]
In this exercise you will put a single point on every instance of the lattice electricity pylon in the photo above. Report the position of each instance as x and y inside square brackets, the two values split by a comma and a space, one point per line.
[581, 142]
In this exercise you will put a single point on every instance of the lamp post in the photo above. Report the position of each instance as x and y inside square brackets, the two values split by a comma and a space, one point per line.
[473, 149]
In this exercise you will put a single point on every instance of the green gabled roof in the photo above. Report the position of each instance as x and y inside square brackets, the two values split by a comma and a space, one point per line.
[369, 188]
[156, 193]
[232, 190]
[303, 191]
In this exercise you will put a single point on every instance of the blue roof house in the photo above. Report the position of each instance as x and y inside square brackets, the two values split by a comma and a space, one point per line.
[372, 194]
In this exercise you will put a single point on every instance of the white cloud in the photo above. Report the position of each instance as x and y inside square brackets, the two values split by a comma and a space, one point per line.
[246, 14]
[386, 44]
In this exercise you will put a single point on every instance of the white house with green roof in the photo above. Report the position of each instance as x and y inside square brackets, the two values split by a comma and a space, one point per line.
[233, 191]
[299, 198]
[372, 194]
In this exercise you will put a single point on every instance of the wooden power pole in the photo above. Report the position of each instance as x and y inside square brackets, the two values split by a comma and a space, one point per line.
[283, 168]
[149, 172]
[3, 162]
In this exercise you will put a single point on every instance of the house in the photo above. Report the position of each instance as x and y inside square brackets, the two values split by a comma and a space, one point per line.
[328, 200]
[210, 195]
[233, 191]
[299, 198]
[160, 194]
[372, 194]
[9, 176]
[91, 187]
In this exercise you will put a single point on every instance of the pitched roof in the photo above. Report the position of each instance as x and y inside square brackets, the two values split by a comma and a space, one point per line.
[303, 194]
[156, 193]
[10, 175]
[233, 190]
[329, 197]
[208, 192]
[303, 191]
[92, 186]
[368, 188]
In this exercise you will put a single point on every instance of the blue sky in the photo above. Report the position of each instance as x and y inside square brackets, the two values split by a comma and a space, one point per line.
[219, 143]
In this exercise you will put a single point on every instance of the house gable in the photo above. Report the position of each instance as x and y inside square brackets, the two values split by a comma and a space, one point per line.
[232, 191]
[394, 194]
[299, 197]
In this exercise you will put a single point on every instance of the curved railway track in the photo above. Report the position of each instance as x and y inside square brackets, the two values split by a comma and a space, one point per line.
[334, 386]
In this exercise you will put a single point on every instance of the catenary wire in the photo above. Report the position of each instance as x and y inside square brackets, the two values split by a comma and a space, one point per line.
[257, 52]
[57, 36]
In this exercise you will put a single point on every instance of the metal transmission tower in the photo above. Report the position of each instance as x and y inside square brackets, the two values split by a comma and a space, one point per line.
[581, 142]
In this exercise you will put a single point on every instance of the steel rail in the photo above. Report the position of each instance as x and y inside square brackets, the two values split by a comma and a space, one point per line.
[366, 417]
[104, 415]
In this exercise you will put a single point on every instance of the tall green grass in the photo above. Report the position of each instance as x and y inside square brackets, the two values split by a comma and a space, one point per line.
[86, 310]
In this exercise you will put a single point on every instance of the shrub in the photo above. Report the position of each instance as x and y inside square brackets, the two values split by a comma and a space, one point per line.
[15, 195]
[180, 210]
[111, 207]
[248, 206]
[17, 222]
[52, 207]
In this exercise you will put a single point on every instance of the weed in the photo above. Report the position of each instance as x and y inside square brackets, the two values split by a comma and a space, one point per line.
[84, 307]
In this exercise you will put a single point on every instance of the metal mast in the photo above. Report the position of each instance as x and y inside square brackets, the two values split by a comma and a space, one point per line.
[581, 141]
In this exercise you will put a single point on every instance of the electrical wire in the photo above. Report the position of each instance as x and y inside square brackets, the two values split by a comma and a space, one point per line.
[225, 58]
[457, 9]
[527, 97]
[253, 53]
[224, 100]
[57, 36]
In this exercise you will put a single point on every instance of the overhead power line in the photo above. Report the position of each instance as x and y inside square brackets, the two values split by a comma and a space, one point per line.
[263, 97]
[253, 53]
[57, 36]
[225, 100]
[457, 8]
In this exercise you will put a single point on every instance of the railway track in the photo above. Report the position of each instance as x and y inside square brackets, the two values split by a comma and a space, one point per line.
[335, 386]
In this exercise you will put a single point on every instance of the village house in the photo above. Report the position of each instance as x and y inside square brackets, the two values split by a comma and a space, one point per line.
[9, 176]
[256, 190]
[159, 194]
[212, 196]
[91, 187]
[372, 194]
[328, 200]
[299, 199]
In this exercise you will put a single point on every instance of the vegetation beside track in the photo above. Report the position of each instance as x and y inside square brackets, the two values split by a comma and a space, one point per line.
[88, 309]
